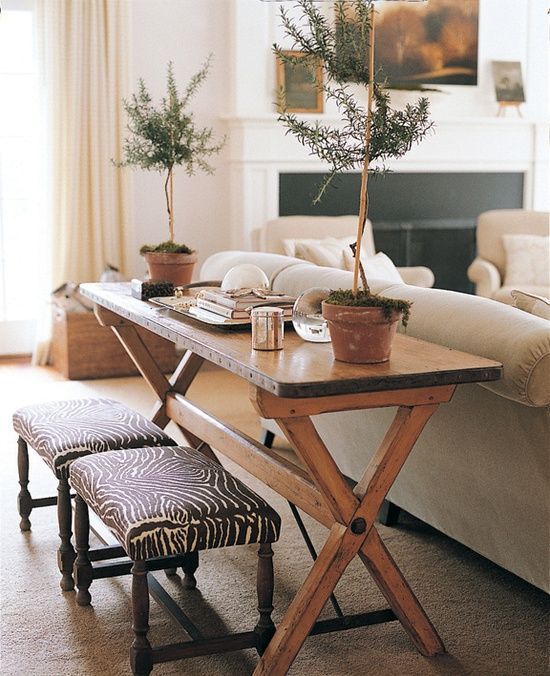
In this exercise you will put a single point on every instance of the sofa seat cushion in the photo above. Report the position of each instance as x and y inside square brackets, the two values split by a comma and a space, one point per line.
[61, 431]
[171, 500]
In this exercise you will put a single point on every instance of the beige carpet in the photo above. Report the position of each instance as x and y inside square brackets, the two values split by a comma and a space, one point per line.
[491, 622]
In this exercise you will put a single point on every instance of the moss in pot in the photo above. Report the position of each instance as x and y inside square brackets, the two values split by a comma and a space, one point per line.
[362, 324]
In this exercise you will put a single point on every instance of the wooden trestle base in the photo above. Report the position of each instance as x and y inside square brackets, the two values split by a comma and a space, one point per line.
[423, 377]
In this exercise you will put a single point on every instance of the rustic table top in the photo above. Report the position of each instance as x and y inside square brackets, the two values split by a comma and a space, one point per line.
[301, 369]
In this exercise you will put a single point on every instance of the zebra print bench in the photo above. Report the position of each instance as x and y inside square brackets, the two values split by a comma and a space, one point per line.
[163, 505]
[60, 432]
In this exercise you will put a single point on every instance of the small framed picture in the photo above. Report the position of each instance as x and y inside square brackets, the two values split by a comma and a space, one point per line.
[508, 82]
[298, 92]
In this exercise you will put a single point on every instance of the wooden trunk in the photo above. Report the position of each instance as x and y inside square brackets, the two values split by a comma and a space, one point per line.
[82, 349]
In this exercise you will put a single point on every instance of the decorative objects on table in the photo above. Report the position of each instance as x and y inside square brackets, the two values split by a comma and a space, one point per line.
[307, 316]
[160, 139]
[267, 328]
[433, 44]
[144, 290]
[509, 90]
[238, 303]
[245, 276]
[368, 138]
[297, 90]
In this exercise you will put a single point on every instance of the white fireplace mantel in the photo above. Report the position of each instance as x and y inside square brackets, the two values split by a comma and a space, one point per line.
[259, 150]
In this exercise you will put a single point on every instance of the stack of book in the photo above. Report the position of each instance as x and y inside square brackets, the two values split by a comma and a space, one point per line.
[238, 307]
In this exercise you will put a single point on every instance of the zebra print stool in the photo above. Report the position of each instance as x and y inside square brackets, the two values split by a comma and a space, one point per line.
[164, 505]
[60, 432]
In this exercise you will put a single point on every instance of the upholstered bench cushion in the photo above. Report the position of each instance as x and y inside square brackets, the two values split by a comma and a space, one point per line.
[61, 431]
[171, 500]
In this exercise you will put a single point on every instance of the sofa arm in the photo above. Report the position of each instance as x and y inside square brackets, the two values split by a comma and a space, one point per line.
[485, 276]
[520, 341]
[417, 276]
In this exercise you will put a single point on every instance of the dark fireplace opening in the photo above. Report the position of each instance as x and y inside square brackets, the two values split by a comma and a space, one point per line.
[418, 218]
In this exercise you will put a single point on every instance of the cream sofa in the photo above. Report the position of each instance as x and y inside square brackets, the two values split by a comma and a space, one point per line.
[488, 270]
[480, 471]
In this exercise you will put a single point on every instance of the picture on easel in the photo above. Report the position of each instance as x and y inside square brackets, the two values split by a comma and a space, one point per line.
[509, 89]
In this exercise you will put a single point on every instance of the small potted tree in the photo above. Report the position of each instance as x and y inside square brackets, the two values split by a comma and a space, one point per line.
[162, 138]
[362, 324]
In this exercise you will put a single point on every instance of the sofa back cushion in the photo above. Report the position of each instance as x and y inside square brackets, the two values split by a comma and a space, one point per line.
[270, 237]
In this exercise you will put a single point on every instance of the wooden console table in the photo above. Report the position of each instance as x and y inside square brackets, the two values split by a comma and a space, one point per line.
[290, 386]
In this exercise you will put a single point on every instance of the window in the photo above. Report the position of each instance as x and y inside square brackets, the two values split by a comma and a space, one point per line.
[21, 184]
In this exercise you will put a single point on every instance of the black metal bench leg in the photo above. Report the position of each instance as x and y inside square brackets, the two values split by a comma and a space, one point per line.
[312, 551]
[267, 438]
[140, 652]
[24, 499]
[265, 628]
[389, 513]
[66, 554]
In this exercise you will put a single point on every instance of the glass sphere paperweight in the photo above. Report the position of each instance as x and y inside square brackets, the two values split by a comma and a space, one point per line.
[307, 317]
[245, 276]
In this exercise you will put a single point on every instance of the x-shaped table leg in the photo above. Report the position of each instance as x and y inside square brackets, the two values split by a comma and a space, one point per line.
[179, 381]
[352, 533]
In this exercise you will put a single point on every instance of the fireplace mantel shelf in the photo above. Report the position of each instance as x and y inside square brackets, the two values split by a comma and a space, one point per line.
[272, 120]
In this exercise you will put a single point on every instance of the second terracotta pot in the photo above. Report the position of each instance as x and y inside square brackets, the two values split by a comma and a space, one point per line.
[361, 335]
[171, 267]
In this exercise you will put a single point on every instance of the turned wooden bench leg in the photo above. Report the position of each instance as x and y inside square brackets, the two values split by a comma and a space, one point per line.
[264, 584]
[24, 499]
[140, 652]
[66, 554]
[82, 568]
[189, 566]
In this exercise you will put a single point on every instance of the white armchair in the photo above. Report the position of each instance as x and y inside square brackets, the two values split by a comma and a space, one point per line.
[270, 239]
[488, 270]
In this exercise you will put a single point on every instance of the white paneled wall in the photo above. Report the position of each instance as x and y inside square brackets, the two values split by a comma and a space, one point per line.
[216, 212]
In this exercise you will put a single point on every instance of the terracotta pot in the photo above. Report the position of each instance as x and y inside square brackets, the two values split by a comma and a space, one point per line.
[171, 267]
[361, 335]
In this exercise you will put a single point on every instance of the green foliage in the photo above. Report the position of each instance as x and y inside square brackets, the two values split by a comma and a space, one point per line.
[393, 132]
[166, 136]
[366, 299]
[342, 48]
[165, 247]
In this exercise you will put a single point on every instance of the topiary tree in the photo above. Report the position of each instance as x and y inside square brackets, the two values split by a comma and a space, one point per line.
[345, 47]
[161, 138]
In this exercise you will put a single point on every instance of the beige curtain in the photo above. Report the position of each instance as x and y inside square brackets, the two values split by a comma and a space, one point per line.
[84, 48]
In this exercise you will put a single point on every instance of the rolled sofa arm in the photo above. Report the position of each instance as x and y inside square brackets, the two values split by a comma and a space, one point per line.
[520, 341]
[485, 276]
[417, 276]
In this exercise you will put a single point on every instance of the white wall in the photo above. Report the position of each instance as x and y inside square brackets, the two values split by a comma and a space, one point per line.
[242, 84]
[185, 32]
[509, 30]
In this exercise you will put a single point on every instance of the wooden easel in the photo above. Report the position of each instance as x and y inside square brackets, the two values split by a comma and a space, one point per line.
[503, 105]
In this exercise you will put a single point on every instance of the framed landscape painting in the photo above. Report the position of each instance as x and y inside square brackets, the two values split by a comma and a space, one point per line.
[298, 93]
[508, 81]
[433, 43]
